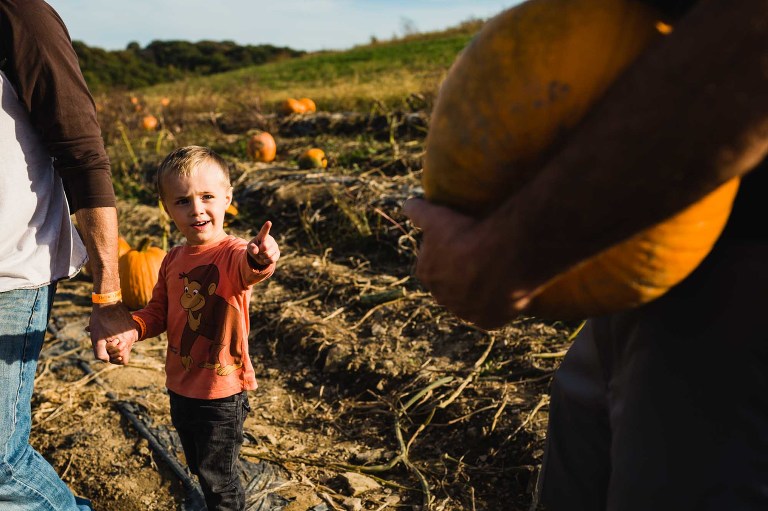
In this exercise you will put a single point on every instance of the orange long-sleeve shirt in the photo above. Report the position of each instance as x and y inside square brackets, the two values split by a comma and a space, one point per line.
[201, 299]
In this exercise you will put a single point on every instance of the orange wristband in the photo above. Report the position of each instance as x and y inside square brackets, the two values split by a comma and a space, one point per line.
[114, 296]
[142, 326]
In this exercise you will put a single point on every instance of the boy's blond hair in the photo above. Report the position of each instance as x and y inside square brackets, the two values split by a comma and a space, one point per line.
[183, 162]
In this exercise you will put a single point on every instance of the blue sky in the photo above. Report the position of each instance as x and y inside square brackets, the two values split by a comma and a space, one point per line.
[301, 24]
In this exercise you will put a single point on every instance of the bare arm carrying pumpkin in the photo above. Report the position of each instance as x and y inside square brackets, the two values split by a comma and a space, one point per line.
[689, 115]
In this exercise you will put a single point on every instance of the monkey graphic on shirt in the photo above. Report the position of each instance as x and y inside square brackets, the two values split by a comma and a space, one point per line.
[210, 316]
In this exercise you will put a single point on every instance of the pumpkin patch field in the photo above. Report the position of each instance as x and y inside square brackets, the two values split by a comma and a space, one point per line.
[371, 396]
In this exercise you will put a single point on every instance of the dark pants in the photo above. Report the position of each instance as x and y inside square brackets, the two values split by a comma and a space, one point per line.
[211, 433]
[665, 407]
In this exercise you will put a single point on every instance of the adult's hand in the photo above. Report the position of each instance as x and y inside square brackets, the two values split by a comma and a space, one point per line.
[463, 264]
[112, 324]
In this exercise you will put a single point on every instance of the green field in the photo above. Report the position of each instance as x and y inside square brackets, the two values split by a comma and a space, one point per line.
[385, 72]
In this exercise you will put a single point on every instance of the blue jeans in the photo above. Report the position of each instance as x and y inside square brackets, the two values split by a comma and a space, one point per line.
[211, 433]
[27, 480]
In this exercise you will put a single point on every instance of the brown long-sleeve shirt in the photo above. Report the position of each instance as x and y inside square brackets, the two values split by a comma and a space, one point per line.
[36, 55]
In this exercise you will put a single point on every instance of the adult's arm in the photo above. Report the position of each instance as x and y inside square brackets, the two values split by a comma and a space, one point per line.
[688, 115]
[109, 322]
[43, 66]
[44, 69]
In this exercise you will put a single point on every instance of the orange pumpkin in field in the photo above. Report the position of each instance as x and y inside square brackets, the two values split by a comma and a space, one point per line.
[313, 159]
[138, 274]
[291, 106]
[309, 105]
[149, 123]
[261, 147]
[529, 76]
[122, 246]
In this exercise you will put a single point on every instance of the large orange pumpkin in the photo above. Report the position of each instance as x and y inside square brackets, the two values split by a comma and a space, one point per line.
[262, 147]
[138, 274]
[527, 78]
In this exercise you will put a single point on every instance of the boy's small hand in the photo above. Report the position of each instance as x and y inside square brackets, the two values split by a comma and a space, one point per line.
[263, 248]
[119, 350]
[114, 350]
[112, 333]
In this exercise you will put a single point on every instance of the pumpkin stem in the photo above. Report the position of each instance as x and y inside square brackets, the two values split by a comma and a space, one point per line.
[144, 245]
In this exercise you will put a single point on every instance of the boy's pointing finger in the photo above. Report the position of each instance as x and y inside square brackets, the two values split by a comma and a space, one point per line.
[264, 232]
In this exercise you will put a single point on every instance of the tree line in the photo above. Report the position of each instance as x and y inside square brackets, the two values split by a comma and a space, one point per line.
[163, 61]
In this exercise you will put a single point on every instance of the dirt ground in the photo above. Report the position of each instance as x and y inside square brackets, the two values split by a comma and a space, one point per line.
[370, 395]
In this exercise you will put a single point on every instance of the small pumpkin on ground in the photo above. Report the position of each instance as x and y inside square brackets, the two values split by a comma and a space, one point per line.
[139, 272]
[291, 106]
[149, 123]
[516, 90]
[230, 211]
[313, 158]
[261, 147]
[309, 105]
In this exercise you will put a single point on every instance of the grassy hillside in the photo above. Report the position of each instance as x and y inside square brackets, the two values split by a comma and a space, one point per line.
[167, 61]
[381, 79]
[384, 73]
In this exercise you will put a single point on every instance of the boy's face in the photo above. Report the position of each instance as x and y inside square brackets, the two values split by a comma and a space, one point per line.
[197, 203]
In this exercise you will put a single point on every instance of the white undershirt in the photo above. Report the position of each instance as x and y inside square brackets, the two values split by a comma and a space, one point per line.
[38, 243]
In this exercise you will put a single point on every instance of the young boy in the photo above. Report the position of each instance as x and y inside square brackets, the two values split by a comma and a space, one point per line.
[201, 300]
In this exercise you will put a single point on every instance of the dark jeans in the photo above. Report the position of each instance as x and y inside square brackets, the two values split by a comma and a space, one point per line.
[211, 433]
[665, 408]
